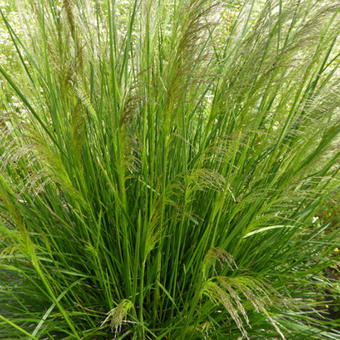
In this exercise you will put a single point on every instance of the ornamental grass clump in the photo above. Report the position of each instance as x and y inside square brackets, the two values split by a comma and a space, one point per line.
[163, 178]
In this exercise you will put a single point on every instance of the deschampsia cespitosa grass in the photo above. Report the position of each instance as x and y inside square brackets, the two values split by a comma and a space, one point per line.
[163, 178]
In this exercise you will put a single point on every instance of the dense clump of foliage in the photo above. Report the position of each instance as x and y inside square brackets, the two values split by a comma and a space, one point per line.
[163, 178]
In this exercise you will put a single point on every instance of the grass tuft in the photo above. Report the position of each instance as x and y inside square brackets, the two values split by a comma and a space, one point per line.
[162, 177]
